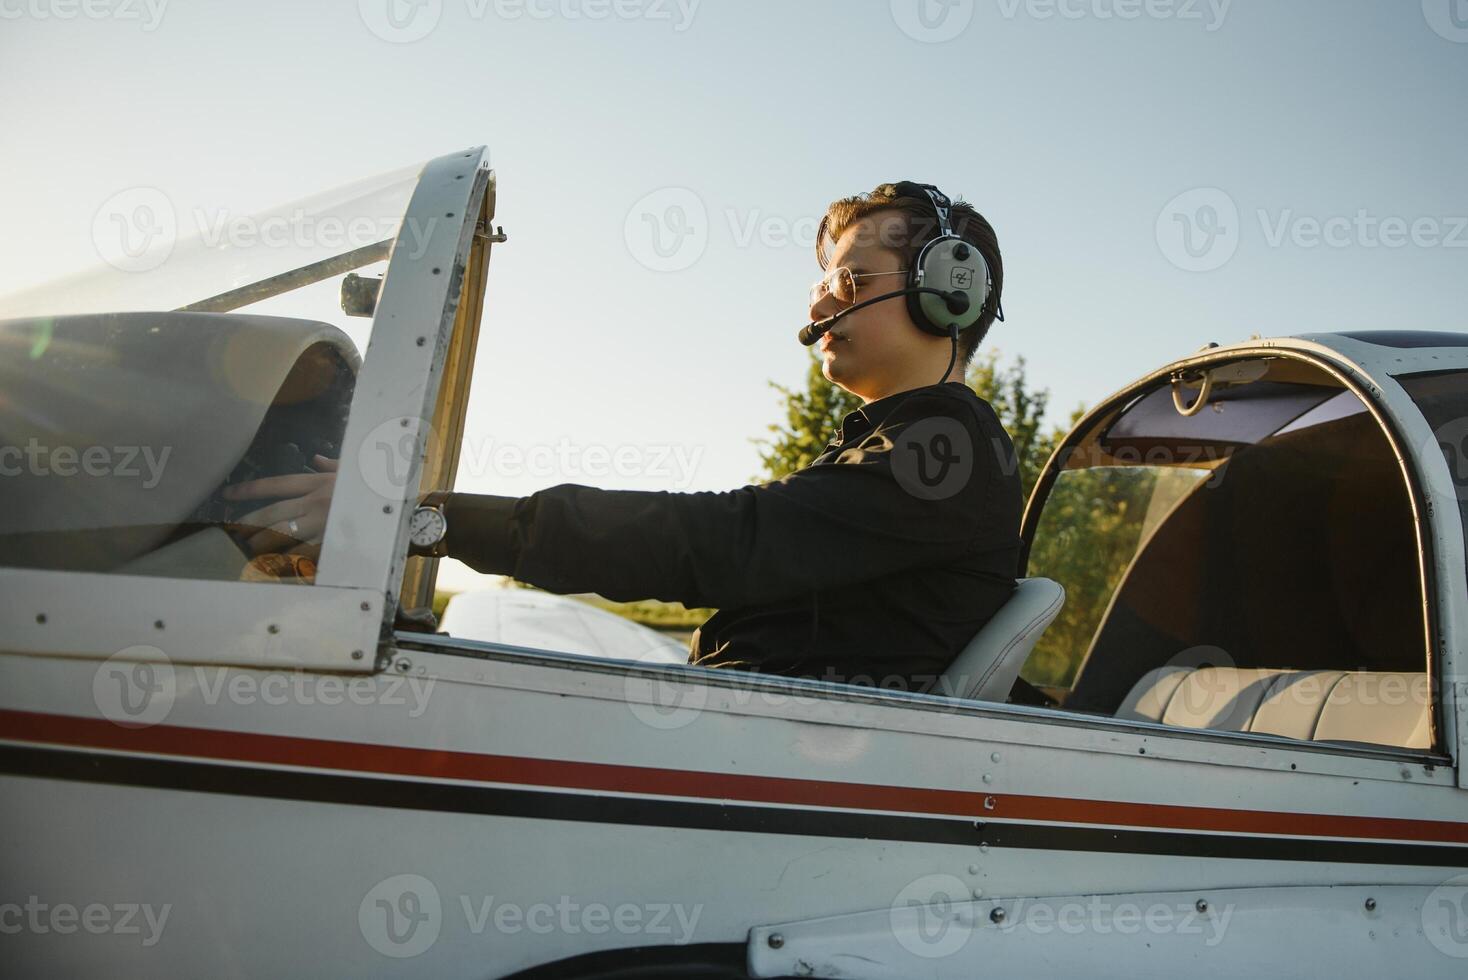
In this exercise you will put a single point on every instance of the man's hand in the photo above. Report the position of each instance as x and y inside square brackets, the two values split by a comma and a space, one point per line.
[294, 525]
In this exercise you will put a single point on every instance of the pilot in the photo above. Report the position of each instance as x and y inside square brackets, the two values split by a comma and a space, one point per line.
[877, 562]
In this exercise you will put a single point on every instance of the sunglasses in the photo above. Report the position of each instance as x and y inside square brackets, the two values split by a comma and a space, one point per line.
[841, 282]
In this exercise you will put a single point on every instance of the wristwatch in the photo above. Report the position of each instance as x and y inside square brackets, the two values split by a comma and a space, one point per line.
[428, 527]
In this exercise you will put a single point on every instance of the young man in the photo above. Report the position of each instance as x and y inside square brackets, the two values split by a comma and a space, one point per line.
[873, 565]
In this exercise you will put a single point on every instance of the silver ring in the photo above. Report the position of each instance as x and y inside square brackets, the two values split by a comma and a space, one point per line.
[293, 527]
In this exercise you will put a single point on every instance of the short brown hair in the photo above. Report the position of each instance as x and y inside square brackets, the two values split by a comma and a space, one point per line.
[922, 227]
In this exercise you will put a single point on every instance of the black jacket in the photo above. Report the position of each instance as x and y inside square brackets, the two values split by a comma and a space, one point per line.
[873, 565]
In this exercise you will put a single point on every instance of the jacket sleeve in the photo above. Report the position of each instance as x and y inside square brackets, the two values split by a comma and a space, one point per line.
[856, 518]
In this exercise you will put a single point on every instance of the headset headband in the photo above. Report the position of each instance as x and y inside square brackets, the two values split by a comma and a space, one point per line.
[941, 203]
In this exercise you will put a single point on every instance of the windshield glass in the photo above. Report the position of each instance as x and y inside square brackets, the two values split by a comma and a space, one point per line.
[1443, 398]
[180, 410]
[1249, 565]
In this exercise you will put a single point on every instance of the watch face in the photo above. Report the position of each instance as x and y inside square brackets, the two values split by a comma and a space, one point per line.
[426, 527]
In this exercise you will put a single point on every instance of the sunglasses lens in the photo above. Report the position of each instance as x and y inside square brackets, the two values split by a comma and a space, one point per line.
[839, 283]
[843, 285]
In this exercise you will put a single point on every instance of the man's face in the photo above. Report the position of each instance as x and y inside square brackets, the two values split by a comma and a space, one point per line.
[863, 351]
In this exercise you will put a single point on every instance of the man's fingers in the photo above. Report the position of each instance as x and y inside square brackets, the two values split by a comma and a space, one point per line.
[292, 485]
[325, 464]
[311, 550]
[276, 513]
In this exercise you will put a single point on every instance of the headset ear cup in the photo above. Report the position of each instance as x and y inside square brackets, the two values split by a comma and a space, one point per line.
[952, 265]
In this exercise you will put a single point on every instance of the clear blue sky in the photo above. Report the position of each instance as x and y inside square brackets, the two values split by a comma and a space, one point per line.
[1072, 124]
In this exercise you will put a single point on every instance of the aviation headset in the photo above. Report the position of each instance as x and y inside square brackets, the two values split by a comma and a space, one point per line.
[947, 263]
[948, 283]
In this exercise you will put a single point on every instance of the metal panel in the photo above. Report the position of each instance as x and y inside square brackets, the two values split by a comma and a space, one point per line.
[441, 459]
[192, 621]
[932, 930]
[366, 532]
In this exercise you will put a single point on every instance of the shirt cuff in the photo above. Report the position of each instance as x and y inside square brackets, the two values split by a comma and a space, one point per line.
[480, 533]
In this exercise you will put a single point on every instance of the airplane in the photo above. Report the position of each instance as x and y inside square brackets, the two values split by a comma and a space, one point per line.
[1219, 728]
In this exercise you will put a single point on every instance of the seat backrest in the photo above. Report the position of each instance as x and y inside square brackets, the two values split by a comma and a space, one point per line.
[1378, 708]
[986, 669]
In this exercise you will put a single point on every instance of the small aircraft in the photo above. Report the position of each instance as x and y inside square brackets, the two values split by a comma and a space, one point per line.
[1218, 731]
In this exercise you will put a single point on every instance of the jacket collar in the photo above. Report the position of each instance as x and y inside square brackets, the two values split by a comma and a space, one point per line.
[872, 414]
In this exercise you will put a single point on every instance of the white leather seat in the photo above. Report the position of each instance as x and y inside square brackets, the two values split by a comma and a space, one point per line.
[987, 668]
[1377, 708]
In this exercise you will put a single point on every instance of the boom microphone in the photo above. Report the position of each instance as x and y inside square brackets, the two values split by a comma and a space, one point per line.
[958, 304]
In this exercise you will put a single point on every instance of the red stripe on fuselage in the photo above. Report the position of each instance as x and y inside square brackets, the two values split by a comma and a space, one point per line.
[391, 760]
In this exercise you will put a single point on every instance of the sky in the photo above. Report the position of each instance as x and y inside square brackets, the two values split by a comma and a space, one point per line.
[1161, 174]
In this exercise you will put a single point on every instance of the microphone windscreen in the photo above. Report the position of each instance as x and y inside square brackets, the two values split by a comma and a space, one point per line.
[812, 332]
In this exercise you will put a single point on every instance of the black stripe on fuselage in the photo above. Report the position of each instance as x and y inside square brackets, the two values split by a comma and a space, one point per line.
[315, 786]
